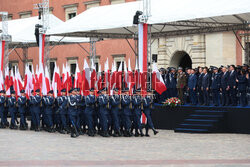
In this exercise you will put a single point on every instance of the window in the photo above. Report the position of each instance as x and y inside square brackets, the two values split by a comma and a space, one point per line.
[91, 4]
[25, 14]
[96, 67]
[29, 63]
[72, 64]
[70, 11]
[116, 1]
[10, 16]
[51, 69]
[96, 61]
[118, 65]
[118, 59]
[13, 66]
[154, 58]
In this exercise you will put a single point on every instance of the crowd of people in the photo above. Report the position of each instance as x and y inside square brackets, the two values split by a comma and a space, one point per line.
[115, 115]
[223, 86]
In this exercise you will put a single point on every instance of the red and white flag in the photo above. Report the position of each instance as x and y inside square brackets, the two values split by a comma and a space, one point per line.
[2, 49]
[157, 80]
[106, 75]
[86, 77]
[93, 74]
[98, 84]
[130, 78]
[28, 84]
[47, 80]
[78, 78]
[118, 78]
[137, 76]
[18, 83]
[56, 82]
[143, 54]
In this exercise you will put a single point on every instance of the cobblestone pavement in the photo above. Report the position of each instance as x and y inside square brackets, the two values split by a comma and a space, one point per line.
[29, 148]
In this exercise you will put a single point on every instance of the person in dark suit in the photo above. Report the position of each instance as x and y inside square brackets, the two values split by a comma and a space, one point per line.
[199, 85]
[171, 83]
[192, 82]
[215, 86]
[205, 85]
[224, 87]
[232, 85]
[242, 87]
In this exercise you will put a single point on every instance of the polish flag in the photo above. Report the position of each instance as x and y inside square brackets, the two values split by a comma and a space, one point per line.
[93, 74]
[47, 80]
[28, 85]
[17, 82]
[68, 78]
[137, 76]
[78, 78]
[1, 81]
[7, 81]
[157, 80]
[130, 78]
[142, 50]
[41, 48]
[2, 47]
[118, 82]
[56, 82]
[106, 75]
[86, 77]
[64, 77]
[98, 84]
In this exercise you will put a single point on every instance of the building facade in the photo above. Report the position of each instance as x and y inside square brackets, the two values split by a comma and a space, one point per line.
[186, 51]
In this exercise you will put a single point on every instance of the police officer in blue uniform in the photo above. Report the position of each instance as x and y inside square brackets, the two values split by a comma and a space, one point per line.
[126, 102]
[48, 102]
[103, 101]
[36, 104]
[73, 113]
[62, 104]
[215, 86]
[224, 87]
[2, 109]
[90, 108]
[115, 104]
[232, 85]
[12, 109]
[192, 83]
[147, 106]
[205, 85]
[136, 103]
[22, 101]
[80, 110]
[242, 87]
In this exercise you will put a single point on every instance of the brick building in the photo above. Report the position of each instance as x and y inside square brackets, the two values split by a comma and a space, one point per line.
[116, 50]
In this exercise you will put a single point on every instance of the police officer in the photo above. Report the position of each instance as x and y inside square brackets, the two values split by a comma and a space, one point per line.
[80, 111]
[62, 104]
[125, 102]
[12, 109]
[103, 101]
[48, 104]
[147, 106]
[2, 108]
[115, 102]
[36, 103]
[242, 87]
[90, 107]
[224, 87]
[215, 86]
[232, 85]
[136, 101]
[192, 81]
[205, 85]
[73, 112]
[22, 101]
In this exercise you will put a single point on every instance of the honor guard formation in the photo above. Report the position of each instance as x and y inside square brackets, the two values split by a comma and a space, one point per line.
[106, 115]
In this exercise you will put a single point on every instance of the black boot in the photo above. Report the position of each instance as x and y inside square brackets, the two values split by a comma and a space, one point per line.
[141, 133]
[155, 131]
[105, 134]
[136, 133]
[147, 135]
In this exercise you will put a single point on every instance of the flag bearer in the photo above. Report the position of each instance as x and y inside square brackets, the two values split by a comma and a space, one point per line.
[115, 102]
[36, 103]
[62, 104]
[73, 113]
[126, 101]
[90, 107]
[80, 111]
[12, 109]
[2, 109]
[48, 104]
[22, 110]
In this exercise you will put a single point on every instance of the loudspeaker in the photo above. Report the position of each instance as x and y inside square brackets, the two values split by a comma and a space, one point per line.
[136, 17]
[37, 26]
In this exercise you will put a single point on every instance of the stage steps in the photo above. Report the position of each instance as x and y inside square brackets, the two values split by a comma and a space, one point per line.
[203, 121]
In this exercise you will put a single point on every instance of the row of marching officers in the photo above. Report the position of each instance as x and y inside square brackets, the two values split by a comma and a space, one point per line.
[115, 115]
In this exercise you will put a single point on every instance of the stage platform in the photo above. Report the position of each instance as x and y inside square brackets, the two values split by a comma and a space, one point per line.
[202, 119]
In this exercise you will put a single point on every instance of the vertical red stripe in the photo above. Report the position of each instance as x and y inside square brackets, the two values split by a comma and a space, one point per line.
[43, 44]
[145, 47]
[2, 56]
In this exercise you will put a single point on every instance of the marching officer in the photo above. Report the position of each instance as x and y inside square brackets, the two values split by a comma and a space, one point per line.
[80, 110]
[22, 110]
[62, 104]
[205, 85]
[48, 104]
[147, 106]
[103, 101]
[136, 101]
[35, 101]
[73, 112]
[2, 108]
[224, 87]
[90, 109]
[125, 102]
[115, 102]
[192, 81]
[215, 86]
[12, 109]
